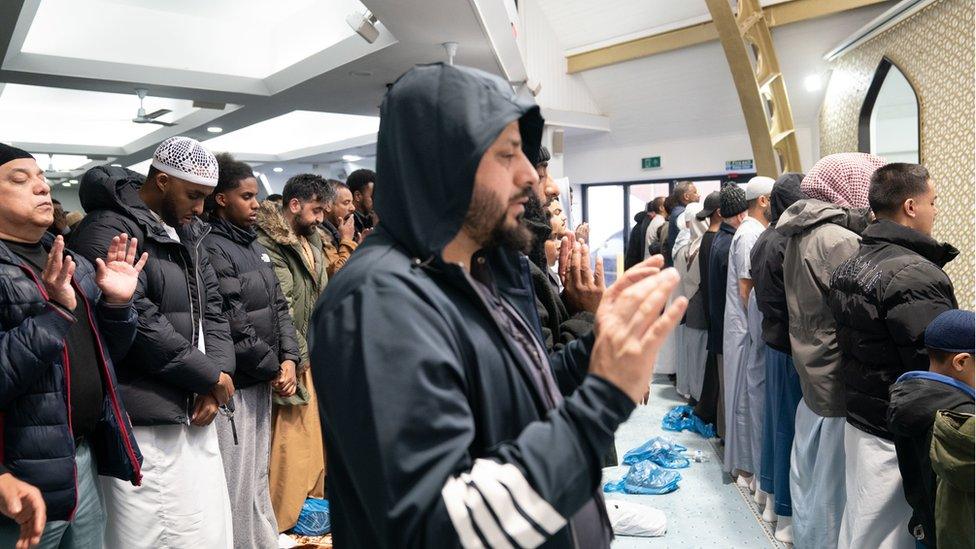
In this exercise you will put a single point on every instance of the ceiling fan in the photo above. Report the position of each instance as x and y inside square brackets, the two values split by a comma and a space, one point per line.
[143, 118]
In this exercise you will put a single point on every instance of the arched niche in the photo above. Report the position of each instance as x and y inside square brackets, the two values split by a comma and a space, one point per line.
[889, 124]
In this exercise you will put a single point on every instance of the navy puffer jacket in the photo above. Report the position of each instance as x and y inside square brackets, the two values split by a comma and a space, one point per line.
[38, 446]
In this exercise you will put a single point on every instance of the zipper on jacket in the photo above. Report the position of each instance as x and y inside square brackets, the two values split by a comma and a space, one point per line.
[194, 329]
[67, 389]
[113, 397]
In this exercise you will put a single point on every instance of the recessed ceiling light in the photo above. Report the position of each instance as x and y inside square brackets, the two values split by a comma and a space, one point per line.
[351, 158]
[278, 169]
[812, 83]
[72, 181]
[215, 129]
[117, 165]
[66, 184]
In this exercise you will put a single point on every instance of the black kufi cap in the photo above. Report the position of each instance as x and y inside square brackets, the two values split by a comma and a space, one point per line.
[8, 153]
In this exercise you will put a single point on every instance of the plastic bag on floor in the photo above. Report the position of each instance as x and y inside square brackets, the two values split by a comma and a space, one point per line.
[662, 451]
[644, 478]
[683, 418]
[314, 519]
[633, 519]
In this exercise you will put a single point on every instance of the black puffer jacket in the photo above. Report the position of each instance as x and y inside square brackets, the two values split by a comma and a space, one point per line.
[177, 290]
[882, 299]
[37, 444]
[766, 262]
[263, 333]
[915, 398]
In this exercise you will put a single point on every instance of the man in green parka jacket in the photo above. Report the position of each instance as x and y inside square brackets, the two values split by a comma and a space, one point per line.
[289, 234]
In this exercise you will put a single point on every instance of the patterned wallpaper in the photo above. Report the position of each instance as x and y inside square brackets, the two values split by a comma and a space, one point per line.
[934, 48]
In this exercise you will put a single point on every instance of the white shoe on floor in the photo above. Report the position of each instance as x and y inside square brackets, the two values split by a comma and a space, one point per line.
[768, 514]
[753, 484]
[742, 482]
[760, 497]
[784, 529]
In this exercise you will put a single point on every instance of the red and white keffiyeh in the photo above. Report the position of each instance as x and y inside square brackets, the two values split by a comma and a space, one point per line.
[842, 179]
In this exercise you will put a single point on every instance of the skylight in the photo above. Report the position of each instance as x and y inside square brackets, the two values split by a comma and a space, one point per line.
[36, 114]
[230, 37]
[294, 131]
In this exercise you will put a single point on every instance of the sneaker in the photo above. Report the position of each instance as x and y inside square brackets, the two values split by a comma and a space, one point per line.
[753, 484]
[742, 482]
[784, 529]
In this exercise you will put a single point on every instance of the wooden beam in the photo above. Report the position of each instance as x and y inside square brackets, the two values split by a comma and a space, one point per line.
[745, 86]
[776, 15]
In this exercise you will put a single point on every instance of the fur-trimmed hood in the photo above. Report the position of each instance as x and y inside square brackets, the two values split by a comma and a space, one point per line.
[272, 223]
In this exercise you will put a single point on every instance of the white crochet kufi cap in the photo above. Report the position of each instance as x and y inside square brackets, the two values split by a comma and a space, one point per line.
[185, 158]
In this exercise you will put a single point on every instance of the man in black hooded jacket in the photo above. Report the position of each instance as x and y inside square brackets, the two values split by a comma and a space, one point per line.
[459, 430]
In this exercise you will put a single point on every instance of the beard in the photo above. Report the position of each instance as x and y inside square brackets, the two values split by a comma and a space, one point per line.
[485, 222]
[302, 229]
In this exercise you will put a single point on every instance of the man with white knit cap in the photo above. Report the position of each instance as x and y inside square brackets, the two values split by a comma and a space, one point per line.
[178, 372]
[743, 352]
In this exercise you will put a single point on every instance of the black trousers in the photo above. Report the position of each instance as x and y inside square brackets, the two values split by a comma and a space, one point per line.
[711, 406]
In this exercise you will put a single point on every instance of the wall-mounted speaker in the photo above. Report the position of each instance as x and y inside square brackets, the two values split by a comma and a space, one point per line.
[557, 142]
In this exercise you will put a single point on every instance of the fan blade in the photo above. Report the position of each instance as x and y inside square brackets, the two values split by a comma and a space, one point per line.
[161, 123]
[158, 113]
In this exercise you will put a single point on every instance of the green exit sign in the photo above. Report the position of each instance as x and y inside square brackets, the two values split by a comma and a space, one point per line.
[650, 162]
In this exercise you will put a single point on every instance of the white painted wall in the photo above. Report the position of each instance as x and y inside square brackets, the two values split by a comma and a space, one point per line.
[598, 159]
[545, 61]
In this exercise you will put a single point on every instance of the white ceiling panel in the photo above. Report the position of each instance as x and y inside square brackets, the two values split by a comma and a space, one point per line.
[246, 38]
[295, 131]
[689, 92]
[585, 22]
[35, 114]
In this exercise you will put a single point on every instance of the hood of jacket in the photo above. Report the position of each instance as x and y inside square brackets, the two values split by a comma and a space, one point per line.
[639, 216]
[226, 229]
[117, 189]
[885, 231]
[808, 213]
[915, 400]
[435, 125]
[536, 220]
[273, 224]
[786, 192]
[952, 448]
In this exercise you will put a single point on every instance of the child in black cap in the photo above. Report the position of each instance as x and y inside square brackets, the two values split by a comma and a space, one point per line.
[915, 399]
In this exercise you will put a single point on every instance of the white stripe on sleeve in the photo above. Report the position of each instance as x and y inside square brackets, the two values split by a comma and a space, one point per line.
[493, 490]
[537, 509]
[453, 496]
[514, 524]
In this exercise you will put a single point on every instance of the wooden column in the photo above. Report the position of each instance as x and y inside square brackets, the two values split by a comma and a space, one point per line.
[749, 50]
